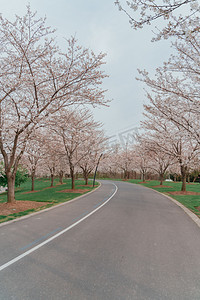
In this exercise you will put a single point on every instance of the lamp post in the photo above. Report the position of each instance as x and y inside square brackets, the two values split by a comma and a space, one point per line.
[96, 169]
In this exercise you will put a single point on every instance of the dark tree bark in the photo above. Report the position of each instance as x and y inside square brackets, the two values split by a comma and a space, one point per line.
[161, 179]
[184, 177]
[72, 177]
[125, 174]
[52, 179]
[11, 188]
[52, 172]
[61, 174]
[86, 180]
[143, 176]
[188, 178]
[85, 175]
[33, 180]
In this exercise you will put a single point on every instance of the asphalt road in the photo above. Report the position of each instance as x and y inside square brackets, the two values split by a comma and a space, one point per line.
[130, 243]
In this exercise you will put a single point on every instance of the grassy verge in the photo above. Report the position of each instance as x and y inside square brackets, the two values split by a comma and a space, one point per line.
[190, 201]
[43, 193]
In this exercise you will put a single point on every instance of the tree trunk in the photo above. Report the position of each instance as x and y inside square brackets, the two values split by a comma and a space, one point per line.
[11, 188]
[85, 175]
[188, 178]
[125, 174]
[52, 179]
[72, 178]
[33, 181]
[184, 176]
[143, 176]
[194, 179]
[183, 188]
[61, 174]
[161, 179]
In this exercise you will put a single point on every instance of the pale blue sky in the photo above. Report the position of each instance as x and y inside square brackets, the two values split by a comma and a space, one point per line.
[100, 26]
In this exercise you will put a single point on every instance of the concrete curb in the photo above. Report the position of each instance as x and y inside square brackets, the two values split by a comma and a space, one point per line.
[49, 208]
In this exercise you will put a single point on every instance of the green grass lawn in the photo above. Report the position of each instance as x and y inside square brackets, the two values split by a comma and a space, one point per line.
[44, 194]
[190, 201]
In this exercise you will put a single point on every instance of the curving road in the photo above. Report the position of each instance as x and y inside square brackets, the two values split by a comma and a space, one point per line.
[121, 242]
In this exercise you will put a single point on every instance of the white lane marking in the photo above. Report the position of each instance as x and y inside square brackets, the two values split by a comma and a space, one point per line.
[14, 260]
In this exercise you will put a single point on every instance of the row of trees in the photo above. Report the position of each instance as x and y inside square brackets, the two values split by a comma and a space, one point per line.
[148, 159]
[172, 117]
[170, 133]
[42, 86]
[71, 142]
[38, 84]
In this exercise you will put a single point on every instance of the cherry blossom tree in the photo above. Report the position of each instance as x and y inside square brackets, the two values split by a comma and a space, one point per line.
[76, 129]
[141, 160]
[172, 12]
[36, 80]
[124, 160]
[53, 155]
[93, 147]
[174, 171]
[62, 166]
[109, 164]
[159, 161]
[172, 141]
[173, 109]
[172, 117]
[51, 161]
[33, 155]
[175, 88]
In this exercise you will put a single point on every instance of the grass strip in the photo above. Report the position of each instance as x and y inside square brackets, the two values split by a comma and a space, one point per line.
[45, 193]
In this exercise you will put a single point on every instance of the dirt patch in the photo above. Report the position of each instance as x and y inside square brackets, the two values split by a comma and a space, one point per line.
[19, 206]
[73, 191]
[184, 193]
[162, 186]
[143, 182]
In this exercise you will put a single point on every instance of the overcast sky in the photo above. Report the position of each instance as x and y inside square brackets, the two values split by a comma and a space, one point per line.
[100, 26]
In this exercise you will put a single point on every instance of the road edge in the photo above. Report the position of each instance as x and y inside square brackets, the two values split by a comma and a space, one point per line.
[49, 208]
[186, 210]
